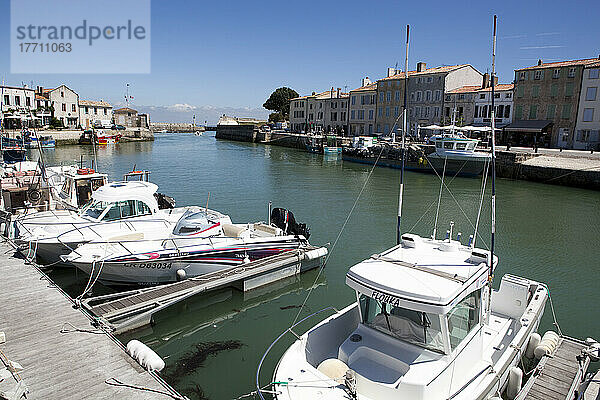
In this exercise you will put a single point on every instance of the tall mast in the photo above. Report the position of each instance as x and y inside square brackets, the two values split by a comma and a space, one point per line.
[493, 124]
[404, 124]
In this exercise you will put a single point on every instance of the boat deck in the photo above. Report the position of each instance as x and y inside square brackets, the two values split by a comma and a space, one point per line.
[557, 377]
[59, 362]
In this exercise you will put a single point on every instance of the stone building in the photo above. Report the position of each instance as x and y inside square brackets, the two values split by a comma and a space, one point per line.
[125, 116]
[459, 105]
[426, 90]
[547, 97]
[64, 104]
[587, 128]
[363, 108]
[503, 104]
[91, 111]
[17, 107]
[323, 112]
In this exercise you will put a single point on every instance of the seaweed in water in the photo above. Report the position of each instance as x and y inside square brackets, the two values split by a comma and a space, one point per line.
[195, 359]
[197, 391]
[290, 307]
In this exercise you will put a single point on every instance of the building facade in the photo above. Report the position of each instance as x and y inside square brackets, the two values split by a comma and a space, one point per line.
[129, 118]
[91, 111]
[459, 105]
[549, 93]
[17, 107]
[503, 104]
[363, 106]
[298, 114]
[426, 94]
[63, 103]
[587, 128]
[323, 112]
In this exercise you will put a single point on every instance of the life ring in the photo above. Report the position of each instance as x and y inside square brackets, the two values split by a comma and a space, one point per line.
[136, 172]
[85, 171]
[34, 196]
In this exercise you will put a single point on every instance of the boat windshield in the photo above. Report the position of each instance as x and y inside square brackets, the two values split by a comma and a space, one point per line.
[93, 209]
[416, 327]
[116, 210]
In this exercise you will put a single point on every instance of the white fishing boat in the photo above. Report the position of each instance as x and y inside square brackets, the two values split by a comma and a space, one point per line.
[115, 208]
[426, 324]
[456, 153]
[201, 242]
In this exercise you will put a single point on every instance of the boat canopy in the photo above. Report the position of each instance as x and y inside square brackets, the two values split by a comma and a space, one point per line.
[136, 190]
[421, 274]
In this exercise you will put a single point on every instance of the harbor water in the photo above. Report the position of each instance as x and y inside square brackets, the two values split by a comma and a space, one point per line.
[212, 343]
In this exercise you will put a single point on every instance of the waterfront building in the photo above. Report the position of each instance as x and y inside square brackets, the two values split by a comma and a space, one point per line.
[17, 107]
[587, 128]
[63, 103]
[363, 108]
[91, 111]
[426, 94]
[546, 98]
[129, 118]
[503, 104]
[323, 112]
[459, 105]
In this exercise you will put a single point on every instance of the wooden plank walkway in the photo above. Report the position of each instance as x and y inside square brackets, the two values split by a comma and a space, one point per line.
[59, 365]
[130, 310]
[560, 375]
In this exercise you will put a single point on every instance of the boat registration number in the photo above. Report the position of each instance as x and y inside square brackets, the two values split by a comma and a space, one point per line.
[159, 265]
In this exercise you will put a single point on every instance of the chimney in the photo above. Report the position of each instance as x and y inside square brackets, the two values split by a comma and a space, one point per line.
[338, 92]
[540, 61]
[486, 81]
[365, 81]
[331, 94]
[39, 90]
[391, 72]
[421, 66]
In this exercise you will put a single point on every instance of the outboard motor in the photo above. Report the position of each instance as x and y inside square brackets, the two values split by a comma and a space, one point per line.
[284, 219]
[164, 202]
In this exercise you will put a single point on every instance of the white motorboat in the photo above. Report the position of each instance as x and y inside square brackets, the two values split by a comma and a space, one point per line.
[456, 152]
[115, 208]
[426, 325]
[201, 242]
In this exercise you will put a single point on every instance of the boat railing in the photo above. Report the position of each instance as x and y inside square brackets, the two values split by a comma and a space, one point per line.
[259, 389]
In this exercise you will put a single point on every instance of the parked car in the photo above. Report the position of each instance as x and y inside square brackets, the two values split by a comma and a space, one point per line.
[118, 127]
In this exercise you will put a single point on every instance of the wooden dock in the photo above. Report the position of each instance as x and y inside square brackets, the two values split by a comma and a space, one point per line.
[557, 377]
[58, 361]
[133, 309]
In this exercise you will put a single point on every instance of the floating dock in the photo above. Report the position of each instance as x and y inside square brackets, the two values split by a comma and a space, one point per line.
[134, 309]
[61, 354]
[560, 375]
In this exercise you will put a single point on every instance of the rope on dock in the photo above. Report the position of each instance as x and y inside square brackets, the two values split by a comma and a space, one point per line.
[73, 328]
[118, 383]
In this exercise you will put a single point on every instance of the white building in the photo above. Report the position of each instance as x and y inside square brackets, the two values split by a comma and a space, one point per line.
[64, 103]
[587, 129]
[503, 104]
[17, 106]
[323, 112]
[91, 111]
[363, 104]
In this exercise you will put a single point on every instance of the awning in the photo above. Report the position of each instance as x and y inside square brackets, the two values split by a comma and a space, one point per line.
[529, 126]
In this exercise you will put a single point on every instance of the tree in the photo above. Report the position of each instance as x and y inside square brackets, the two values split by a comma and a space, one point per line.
[276, 117]
[279, 101]
[55, 123]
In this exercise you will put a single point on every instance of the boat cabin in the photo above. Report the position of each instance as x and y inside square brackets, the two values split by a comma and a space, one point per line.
[121, 200]
[78, 186]
[453, 143]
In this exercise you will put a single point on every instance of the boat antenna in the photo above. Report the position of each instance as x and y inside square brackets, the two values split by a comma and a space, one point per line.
[206, 208]
[493, 148]
[404, 124]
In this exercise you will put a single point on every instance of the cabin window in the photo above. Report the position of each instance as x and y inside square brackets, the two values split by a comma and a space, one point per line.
[448, 145]
[463, 318]
[471, 146]
[461, 146]
[142, 208]
[438, 144]
[415, 327]
[94, 209]
[120, 210]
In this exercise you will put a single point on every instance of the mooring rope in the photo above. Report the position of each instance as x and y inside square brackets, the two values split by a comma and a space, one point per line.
[73, 329]
[115, 382]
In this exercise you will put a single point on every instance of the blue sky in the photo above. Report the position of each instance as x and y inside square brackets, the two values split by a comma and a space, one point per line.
[230, 55]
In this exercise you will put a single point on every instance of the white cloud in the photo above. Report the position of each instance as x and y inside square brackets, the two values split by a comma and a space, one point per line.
[181, 107]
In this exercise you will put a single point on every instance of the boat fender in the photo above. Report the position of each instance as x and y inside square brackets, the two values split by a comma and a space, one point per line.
[34, 196]
[593, 350]
[315, 253]
[534, 341]
[145, 356]
[334, 369]
[181, 275]
[515, 379]
[547, 345]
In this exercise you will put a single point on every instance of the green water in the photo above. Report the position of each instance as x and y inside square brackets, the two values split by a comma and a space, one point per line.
[548, 233]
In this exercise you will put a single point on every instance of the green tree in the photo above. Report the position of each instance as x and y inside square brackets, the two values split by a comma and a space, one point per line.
[276, 117]
[279, 101]
[55, 123]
